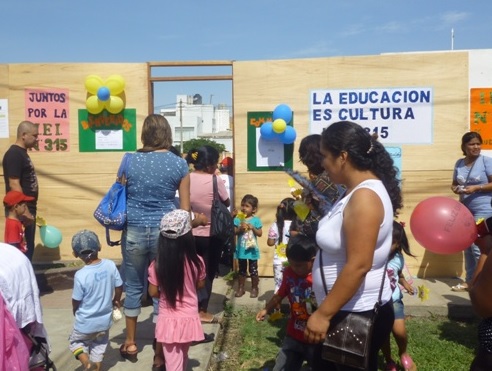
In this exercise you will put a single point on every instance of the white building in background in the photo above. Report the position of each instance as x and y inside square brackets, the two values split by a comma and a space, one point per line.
[190, 119]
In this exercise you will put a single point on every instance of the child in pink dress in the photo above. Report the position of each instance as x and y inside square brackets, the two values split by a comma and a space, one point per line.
[174, 278]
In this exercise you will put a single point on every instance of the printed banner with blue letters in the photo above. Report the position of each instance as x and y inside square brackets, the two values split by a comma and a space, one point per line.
[397, 115]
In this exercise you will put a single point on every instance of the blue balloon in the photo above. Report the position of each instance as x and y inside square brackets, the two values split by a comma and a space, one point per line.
[289, 135]
[282, 111]
[50, 236]
[103, 94]
[266, 131]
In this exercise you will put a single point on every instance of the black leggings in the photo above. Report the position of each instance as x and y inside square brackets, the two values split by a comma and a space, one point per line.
[209, 249]
[243, 267]
[381, 332]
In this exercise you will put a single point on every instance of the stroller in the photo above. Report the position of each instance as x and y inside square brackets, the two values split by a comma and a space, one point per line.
[39, 358]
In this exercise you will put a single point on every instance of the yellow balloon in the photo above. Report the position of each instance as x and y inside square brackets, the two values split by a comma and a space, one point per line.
[94, 105]
[115, 84]
[279, 126]
[93, 83]
[301, 209]
[115, 105]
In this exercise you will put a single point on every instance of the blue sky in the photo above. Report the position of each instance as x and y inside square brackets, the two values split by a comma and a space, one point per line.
[33, 31]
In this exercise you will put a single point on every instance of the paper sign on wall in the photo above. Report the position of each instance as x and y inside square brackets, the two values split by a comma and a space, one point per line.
[49, 109]
[397, 115]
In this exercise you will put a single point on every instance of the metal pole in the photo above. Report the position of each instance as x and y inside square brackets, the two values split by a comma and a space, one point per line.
[452, 39]
[181, 124]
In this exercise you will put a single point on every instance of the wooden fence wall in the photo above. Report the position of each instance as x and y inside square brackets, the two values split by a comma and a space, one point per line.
[72, 183]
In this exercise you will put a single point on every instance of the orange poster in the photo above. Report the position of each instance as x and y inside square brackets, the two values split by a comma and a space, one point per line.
[481, 114]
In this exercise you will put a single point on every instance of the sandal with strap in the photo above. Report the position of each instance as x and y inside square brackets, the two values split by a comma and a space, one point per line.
[460, 287]
[407, 363]
[130, 355]
[207, 339]
[391, 366]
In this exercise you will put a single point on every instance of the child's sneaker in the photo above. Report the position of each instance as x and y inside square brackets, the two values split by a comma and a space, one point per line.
[391, 366]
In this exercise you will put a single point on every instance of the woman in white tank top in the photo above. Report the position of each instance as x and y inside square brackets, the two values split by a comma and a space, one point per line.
[355, 237]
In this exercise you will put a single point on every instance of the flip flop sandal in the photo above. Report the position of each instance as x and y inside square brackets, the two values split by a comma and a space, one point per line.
[207, 339]
[130, 355]
[407, 363]
[216, 319]
[459, 288]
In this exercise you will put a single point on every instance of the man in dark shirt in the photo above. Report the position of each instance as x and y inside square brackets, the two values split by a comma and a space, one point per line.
[19, 175]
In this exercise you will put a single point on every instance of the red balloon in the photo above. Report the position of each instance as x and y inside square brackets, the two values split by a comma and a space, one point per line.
[443, 225]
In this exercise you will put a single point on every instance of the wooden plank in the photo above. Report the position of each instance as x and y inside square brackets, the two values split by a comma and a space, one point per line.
[190, 63]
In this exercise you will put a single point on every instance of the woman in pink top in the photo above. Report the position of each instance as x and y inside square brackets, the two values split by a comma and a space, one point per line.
[174, 278]
[204, 160]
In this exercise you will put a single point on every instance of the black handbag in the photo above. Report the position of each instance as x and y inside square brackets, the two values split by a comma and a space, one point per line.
[221, 221]
[349, 336]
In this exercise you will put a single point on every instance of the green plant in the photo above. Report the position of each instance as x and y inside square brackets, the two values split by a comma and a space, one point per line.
[435, 343]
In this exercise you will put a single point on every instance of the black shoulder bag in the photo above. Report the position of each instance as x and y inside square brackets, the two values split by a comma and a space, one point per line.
[221, 221]
[349, 336]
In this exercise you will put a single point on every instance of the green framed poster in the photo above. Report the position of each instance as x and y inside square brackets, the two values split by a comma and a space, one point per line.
[107, 132]
[266, 155]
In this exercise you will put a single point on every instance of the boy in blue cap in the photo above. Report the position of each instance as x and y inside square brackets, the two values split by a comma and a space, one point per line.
[93, 301]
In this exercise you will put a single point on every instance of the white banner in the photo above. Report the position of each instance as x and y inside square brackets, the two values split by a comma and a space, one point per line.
[397, 115]
[4, 118]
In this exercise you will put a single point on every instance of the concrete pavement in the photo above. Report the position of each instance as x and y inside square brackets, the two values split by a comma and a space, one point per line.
[58, 318]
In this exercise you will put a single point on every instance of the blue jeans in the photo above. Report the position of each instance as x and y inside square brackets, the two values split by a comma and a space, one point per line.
[472, 254]
[138, 248]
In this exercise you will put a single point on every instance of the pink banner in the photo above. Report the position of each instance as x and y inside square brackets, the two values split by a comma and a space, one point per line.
[49, 109]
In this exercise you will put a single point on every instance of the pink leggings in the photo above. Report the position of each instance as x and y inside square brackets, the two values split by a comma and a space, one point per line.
[176, 356]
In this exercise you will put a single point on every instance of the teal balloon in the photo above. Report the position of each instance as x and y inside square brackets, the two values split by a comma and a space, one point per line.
[282, 111]
[266, 131]
[50, 236]
[288, 136]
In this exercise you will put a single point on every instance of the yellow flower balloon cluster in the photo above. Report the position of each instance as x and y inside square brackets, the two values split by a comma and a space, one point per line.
[106, 95]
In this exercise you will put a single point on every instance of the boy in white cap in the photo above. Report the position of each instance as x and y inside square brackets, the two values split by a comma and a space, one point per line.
[93, 301]
[16, 203]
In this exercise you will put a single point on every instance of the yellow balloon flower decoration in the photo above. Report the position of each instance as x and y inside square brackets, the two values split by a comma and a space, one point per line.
[105, 94]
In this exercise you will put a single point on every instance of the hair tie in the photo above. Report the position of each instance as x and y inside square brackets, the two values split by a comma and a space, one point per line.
[402, 224]
[369, 151]
[194, 155]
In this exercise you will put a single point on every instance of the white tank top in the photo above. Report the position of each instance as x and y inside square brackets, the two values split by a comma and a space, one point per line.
[332, 245]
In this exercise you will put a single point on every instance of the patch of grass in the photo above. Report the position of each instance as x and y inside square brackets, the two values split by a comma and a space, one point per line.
[439, 344]
[435, 343]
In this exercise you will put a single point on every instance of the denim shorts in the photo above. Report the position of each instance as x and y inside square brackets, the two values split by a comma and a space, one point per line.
[399, 309]
[92, 344]
[138, 248]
